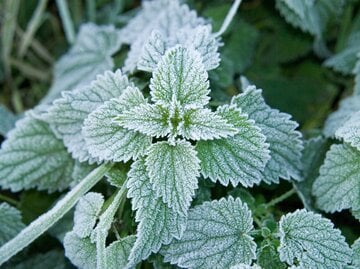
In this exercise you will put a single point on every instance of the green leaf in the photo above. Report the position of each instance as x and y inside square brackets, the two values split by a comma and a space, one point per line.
[53, 259]
[149, 119]
[336, 119]
[105, 139]
[285, 142]
[203, 124]
[245, 266]
[158, 223]
[80, 251]
[356, 253]
[117, 252]
[33, 157]
[10, 222]
[173, 172]
[86, 213]
[238, 159]
[216, 236]
[90, 56]
[181, 75]
[313, 241]
[67, 115]
[268, 258]
[350, 131]
[338, 185]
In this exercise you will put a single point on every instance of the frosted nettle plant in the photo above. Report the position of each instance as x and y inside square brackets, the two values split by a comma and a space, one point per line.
[167, 149]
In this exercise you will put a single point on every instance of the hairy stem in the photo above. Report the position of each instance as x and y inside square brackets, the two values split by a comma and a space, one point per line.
[229, 17]
[104, 225]
[281, 198]
[9, 200]
[45, 221]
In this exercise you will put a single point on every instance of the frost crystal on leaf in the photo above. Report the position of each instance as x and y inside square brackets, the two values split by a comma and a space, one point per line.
[33, 157]
[238, 159]
[181, 75]
[350, 131]
[10, 222]
[313, 241]
[90, 56]
[105, 139]
[158, 222]
[86, 213]
[338, 186]
[285, 142]
[67, 115]
[173, 172]
[356, 253]
[346, 109]
[216, 236]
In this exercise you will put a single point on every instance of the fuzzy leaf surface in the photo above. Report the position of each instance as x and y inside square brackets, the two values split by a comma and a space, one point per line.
[33, 157]
[89, 57]
[117, 253]
[158, 223]
[10, 222]
[181, 75]
[105, 139]
[67, 115]
[216, 236]
[356, 253]
[338, 185]
[86, 213]
[285, 142]
[313, 241]
[350, 131]
[173, 172]
[237, 159]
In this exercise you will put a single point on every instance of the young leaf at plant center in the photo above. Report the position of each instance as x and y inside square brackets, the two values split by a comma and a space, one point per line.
[268, 258]
[10, 222]
[67, 115]
[285, 142]
[173, 172]
[33, 157]
[105, 139]
[350, 131]
[336, 119]
[221, 229]
[313, 241]
[181, 75]
[80, 251]
[86, 213]
[238, 159]
[158, 223]
[89, 57]
[245, 266]
[338, 185]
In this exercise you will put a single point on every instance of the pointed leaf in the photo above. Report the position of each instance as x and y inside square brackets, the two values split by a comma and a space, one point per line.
[149, 119]
[33, 157]
[216, 236]
[68, 113]
[285, 142]
[159, 223]
[350, 131]
[173, 172]
[238, 159]
[338, 185]
[181, 75]
[90, 56]
[86, 213]
[80, 251]
[336, 119]
[313, 241]
[203, 124]
[10, 222]
[105, 139]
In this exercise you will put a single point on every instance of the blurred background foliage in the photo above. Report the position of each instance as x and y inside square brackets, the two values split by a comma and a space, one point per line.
[259, 45]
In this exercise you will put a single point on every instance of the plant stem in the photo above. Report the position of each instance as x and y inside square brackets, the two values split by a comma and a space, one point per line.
[229, 17]
[66, 20]
[91, 10]
[281, 198]
[45, 221]
[104, 225]
[9, 200]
